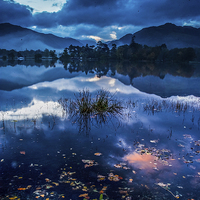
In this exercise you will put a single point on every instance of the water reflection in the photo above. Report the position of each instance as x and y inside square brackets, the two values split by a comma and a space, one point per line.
[44, 151]
[36, 109]
[158, 78]
[29, 62]
[86, 122]
[141, 161]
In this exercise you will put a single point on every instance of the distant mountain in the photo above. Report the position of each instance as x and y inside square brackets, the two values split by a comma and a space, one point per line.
[173, 36]
[89, 42]
[170, 34]
[122, 41]
[18, 38]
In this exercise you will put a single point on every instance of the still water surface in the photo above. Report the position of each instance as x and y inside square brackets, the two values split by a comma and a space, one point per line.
[149, 152]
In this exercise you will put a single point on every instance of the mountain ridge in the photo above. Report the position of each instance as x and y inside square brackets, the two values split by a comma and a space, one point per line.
[170, 34]
[19, 38]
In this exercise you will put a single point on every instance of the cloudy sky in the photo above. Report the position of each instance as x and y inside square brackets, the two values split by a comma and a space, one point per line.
[98, 19]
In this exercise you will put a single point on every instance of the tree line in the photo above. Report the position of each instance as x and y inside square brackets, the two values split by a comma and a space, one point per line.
[132, 52]
[37, 55]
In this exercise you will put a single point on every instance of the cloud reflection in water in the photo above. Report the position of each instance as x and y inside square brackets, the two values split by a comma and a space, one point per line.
[141, 161]
[36, 109]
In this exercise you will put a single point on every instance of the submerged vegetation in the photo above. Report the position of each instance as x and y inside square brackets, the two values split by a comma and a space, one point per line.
[103, 103]
[87, 110]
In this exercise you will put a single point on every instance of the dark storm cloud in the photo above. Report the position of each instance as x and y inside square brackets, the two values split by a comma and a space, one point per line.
[91, 17]
[15, 13]
[158, 12]
[83, 12]
[45, 20]
[120, 12]
[75, 4]
[183, 9]
[86, 30]
[103, 13]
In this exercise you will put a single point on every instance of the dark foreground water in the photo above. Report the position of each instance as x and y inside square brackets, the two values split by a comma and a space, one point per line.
[151, 151]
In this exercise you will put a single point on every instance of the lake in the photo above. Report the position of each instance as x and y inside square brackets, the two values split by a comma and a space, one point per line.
[149, 151]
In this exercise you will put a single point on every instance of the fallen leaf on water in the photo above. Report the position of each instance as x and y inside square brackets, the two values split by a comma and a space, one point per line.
[97, 154]
[101, 178]
[164, 185]
[187, 136]
[12, 198]
[56, 184]
[21, 188]
[112, 177]
[48, 186]
[154, 141]
[47, 180]
[197, 143]
[118, 166]
[146, 187]
[89, 163]
[28, 187]
[83, 195]
[180, 187]
[101, 197]
[104, 188]
[123, 192]
[22, 152]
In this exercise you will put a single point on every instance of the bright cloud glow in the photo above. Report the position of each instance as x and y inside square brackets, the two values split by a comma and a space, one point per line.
[192, 23]
[113, 35]
[94, 79]
[94, 37]
[61, 31]
[112, 82]
[41, 6]
[93, 83]
[36, 109]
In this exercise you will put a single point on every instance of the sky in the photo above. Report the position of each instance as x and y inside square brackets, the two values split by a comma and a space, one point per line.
[103, 20]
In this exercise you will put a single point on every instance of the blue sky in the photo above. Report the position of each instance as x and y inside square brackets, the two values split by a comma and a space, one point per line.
[98, 19]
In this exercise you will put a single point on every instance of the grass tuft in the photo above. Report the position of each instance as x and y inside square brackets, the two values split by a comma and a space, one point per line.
[102, 103]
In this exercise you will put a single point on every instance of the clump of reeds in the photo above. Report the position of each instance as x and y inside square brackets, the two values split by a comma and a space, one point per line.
[83, 104]
[158, 106]
[103, 102]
